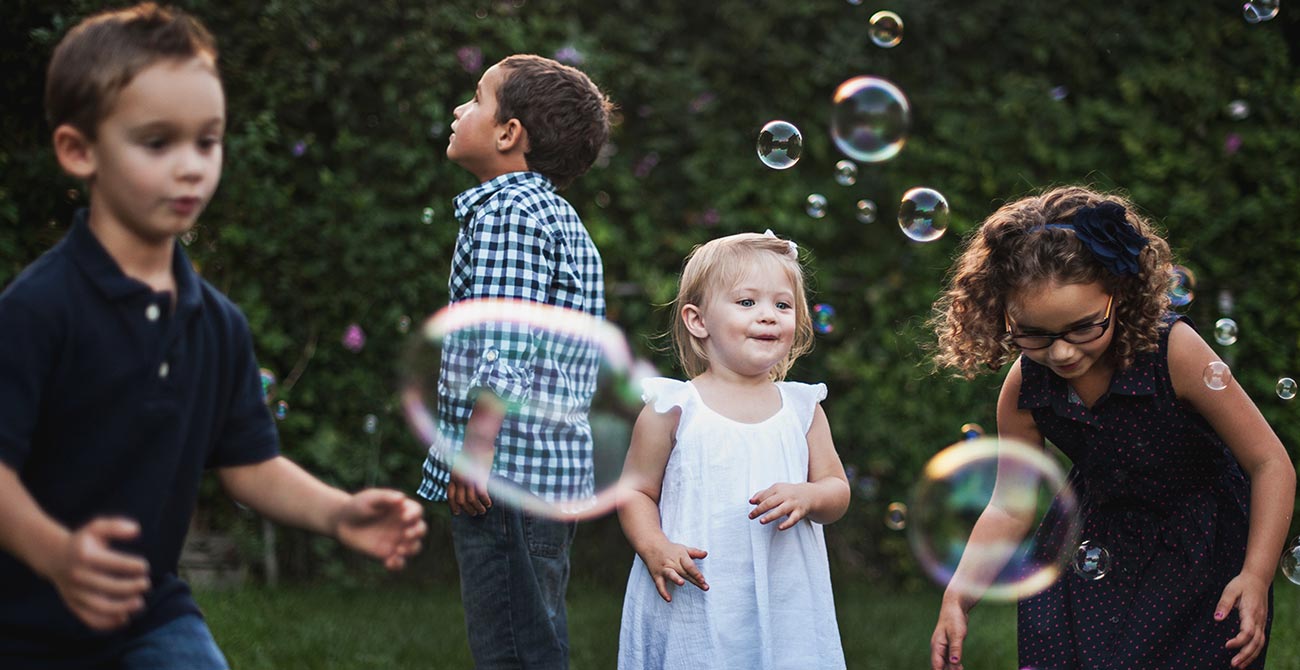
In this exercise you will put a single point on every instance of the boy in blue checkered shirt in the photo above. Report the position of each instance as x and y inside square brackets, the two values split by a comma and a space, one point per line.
[532, 127]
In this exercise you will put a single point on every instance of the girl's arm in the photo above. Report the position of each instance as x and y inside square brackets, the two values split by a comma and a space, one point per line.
[823, 498]
[1272, 481]
[638, 506]
[996, 527]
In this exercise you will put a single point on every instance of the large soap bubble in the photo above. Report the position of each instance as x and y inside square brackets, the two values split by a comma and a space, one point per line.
[870, 119]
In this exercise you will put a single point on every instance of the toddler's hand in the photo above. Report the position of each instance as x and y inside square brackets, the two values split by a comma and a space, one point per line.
[778, 500]
[674, 562]
[1249, 594]
[102, 586]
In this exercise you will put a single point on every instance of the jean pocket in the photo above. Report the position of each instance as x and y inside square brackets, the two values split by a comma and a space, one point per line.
[546, 538]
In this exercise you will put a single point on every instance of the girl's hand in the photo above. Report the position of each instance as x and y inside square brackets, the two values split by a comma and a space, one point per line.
[1249, 594]
[778, 500]
[949, 633]
[675, 562]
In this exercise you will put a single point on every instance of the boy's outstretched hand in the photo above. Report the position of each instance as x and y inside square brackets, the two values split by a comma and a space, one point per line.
[102, 586]
[382, 523]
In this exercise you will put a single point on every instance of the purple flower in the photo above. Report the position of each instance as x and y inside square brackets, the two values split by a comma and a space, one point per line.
[702, 101]
[569, 55]
[471, 58]
[711, 217]
[299, 148]
[1231, 143]
[646, 164]
[354, 338]
[1111, 238]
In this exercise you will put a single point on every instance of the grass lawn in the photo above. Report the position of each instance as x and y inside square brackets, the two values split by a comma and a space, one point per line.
[390, 627]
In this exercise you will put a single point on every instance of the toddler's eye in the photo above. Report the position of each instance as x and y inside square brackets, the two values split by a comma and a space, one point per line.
[783, 305]
[745, 302]
[155, 144]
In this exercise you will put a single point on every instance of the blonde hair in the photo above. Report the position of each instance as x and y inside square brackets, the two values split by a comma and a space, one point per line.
[719, 265]
[1012, 250]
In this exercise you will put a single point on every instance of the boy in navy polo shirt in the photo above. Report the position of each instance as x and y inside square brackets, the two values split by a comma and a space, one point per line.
[123, 375]
[533, 126]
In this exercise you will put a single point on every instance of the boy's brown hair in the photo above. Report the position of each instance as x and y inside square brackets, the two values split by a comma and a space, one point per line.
[102, 54]
[565, 114]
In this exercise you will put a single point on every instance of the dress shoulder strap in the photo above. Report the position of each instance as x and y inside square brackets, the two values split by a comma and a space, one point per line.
[803, 399]
[663, 393]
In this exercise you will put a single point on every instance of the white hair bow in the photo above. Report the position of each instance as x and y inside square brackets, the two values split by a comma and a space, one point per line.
[794, 248]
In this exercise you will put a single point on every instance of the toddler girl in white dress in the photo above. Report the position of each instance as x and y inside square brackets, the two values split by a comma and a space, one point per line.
[732, 474]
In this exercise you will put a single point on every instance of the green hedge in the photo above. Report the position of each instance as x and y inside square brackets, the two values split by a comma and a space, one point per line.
[310, 243]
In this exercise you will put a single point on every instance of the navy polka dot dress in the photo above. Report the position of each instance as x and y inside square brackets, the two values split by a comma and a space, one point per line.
[1162, 494]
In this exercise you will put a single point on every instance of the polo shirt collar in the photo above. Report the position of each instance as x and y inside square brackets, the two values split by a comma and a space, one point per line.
[469, 201]
[89, 254]
[1039, 387]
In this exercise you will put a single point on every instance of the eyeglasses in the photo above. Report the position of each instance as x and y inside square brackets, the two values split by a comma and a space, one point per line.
[1080, 335]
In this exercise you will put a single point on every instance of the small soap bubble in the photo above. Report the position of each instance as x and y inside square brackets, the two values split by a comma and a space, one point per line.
[281, 410]
[823, 318]
[886, 29]
[403, 324]
[1237, 110]
[73, 194]
[299, 148]
[1259, 11]
[427, 215]
[268, 384]
[1091, 561]
[870, 119]
[816, 206]
[972, 431]
[1286, 388]
[1060, 93]
[1225, 331]
[1291, 561]
[188, 237]
[354, 338]
[1182, 281]
[846, 173]
[1217, 375]
[867, 487]
[896, 516]
[779, 145]
[370, 424]
[866, 211]
[923, 214]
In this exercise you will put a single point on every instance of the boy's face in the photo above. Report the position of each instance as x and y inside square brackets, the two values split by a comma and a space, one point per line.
[157, 155]
[474, 132]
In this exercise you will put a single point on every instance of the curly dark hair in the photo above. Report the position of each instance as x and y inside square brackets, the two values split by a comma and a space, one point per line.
[1011, 250]
[565, 114]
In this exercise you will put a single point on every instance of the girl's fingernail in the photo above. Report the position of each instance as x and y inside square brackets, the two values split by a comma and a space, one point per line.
[955, 659]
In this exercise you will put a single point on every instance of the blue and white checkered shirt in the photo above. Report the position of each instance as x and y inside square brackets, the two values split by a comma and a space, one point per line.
[520, 240]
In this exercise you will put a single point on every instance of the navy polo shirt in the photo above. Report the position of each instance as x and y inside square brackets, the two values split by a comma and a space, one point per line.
[112, 402]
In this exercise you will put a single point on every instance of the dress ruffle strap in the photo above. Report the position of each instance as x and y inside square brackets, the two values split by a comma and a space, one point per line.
[664, 394]
[803, 399]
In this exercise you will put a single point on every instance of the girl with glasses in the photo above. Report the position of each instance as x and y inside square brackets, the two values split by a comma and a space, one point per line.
[1184, 483]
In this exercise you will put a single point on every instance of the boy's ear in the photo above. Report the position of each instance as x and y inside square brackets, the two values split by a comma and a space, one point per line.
[76, 153]
[512, 136]
[693, 318]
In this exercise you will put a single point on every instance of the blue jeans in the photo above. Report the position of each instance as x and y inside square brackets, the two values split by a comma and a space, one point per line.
[183, 644]
[514, 570]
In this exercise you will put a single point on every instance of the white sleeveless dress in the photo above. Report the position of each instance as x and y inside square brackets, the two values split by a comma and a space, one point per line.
[769, 603]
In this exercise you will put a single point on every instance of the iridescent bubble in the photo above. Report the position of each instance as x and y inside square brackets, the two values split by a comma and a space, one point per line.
[1217, 375]
[1091, 561]
[299, 148]
[866, 211]
[846, 173]
[923, 214]
[823, 318]
[1237, 110]
[1225, 331]
[354, 339]
[870, 119]
[268, 384]
[956, 487]
[1182, 281]
[370, 424]
[816, 205]
[281, 410]
[442, 375]
[1286, 388]
[1291, 561]
[896, 516]
[403, 324]
[1060, 93]
[427, 215]
[1258, 11]
[972, 431]
[886, 29]
[188, 237]
[779, 145]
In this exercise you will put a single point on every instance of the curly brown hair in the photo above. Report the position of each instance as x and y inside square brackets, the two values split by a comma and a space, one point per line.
[1012, 250]
[565, 114]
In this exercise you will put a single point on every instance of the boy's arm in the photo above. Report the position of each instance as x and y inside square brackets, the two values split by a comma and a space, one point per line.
[381, 523]
[101, 586]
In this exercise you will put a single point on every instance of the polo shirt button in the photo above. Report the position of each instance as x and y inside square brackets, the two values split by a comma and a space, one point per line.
[490, 355]
[1114, 619]
[163, 370]
[152, 312]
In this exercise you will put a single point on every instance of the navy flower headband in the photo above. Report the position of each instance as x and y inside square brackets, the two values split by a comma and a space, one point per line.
[1107, 234]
